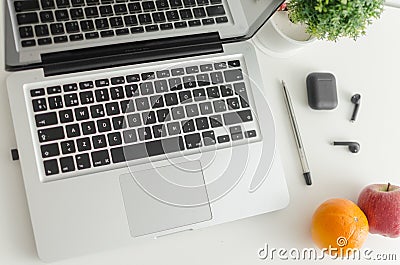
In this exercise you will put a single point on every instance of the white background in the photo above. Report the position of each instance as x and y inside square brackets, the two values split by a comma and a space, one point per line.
[369, 66]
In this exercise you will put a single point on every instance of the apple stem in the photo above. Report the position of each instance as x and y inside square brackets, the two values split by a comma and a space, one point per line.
[388, 187]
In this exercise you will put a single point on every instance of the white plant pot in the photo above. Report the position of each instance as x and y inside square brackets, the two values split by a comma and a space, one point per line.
[282, 37]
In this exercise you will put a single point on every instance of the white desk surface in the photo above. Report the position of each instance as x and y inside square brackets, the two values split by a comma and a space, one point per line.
[369, 66]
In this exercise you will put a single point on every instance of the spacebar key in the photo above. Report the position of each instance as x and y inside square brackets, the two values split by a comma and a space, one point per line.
[142, 150]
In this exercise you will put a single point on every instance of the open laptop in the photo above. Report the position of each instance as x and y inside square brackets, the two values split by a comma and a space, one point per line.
[139, 119]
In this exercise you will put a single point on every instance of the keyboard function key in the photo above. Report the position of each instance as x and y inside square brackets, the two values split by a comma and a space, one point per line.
[51, 167]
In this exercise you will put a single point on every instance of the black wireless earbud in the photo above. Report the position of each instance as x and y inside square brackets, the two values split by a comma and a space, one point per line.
[354, 147]
[355, 99]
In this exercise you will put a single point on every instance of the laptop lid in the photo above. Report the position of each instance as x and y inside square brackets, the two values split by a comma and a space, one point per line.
[244, 18]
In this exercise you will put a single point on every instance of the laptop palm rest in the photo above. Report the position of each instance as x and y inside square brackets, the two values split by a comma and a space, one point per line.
[165, 198]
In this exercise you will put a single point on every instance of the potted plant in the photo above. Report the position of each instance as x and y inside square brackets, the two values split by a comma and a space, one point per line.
[299, 22]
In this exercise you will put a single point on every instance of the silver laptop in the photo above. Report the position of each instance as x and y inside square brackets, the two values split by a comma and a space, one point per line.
[139, 119]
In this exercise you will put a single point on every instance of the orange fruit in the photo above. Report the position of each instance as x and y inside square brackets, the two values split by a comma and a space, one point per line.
[339, 224]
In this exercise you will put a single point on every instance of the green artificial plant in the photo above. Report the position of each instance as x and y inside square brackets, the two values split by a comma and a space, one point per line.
[331, 19]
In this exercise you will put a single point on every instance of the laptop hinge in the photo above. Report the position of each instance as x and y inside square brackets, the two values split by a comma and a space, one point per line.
[130, 53]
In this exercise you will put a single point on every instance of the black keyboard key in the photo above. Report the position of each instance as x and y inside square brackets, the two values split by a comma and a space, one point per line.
[156, 102]
[151, 148]
[92, 35]
[44, 41]
[26, 32]
[72, 27]
[163, 115]
[114, 139]
[86, 85]
[213, 92]
[116, 22]
[62, 15]
[146, 88]
[192, 110]
[145, 19]
[88, 128]
[99, 141]
[51, 167]
[199, 12]
[127, 106]
[77, 13]
[73, 130]
[186, 14]
[102, 82]
[102, 23]
[149, 117]
[148, 76]
[216, 121]
[82, 161]
[39, 104]
[159, 131]
[233, 103]
[166, 26]
[87, 25]
[202, 2]
[214, 2]
[188, 126]
[202, 123]
[83, 144]
[151, 28]
[175, 3]
[102, 95]
[78, 2]
[28, 43]
[172, 15]
[53, 90]
[226, 90]
[216, 78]
[185, 97]
[120, 9]
[234, 63]
[158, 17]
[86, 97]
[106, 11]
[57, 29]
[208, 21]
[67, 164]
[217, 10]
[193, 141]
[37, 92]
[136, 30]
[178, 113]
[49, 150]
[26, 5]
[121, 32]
[91, 12]
[250, 134]
[148, 6]
[68, 147]
[119, 123]
[237, 136]
[103, 125]
[112, 108]
[192, 69]
[144, 133]
[209, 138]
[206, 108]
[221, 20]
[81, 113]
[199, 94]
[132, 90]
[194, 23]
[189, 3]
[238, 117]
[130, 20]
[66, 116]
[71, 100]
[203, 80]
[46, 16]
[97, 111]
[162, 4]
[92, 2]
[171, 99]
[62, 3]
[240, 89]
[55, 102]
[223, 139]
[42, 30]
[180, 24]
[60, 39]
[51, 134]
[27, 18]
[175, 83]
[134, 7]
[132, 78]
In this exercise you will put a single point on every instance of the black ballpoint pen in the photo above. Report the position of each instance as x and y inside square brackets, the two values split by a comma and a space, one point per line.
[296, 132]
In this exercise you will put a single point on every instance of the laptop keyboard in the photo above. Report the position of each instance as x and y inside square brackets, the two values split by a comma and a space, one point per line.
[98, 122]
[44, 22]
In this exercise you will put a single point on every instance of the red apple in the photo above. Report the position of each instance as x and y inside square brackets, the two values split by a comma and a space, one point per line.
[381, 205]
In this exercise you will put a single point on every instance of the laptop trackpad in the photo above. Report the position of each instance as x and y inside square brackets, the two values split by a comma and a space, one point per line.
[165, 198]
